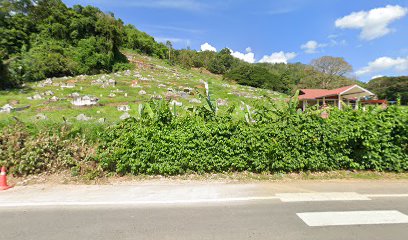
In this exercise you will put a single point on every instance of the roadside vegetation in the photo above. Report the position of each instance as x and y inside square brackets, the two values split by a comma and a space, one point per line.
[270, 140]
[266, 140]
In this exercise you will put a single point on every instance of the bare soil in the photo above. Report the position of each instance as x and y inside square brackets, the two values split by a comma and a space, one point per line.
[65, 177]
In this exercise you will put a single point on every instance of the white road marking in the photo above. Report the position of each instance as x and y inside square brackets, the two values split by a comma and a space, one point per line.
[118, 203]
[39, 200]
[385, 195]
[318, 219]
[321, 196]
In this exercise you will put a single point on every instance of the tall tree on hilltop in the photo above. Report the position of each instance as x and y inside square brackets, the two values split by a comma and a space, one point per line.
[333, 68]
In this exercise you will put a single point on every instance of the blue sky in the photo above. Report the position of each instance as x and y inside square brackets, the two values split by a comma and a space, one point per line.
[372, 35]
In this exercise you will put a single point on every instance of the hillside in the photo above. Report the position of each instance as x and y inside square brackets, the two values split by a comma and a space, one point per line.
[50, 100]
[47, 39]
[390, 88]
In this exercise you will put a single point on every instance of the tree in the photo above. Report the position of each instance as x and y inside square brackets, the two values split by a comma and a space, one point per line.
[184, 58]
[334, 68]
[255, 76]
[4, 79]
[45, 38]
[390, 88]
[222, 62]
[169, 45]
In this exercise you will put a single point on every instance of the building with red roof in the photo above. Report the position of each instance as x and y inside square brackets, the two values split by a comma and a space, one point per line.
[336, 97]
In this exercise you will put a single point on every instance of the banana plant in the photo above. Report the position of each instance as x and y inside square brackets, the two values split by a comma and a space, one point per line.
[213, 107]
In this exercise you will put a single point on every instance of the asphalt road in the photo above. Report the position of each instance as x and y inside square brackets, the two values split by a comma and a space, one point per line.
[256, 220]
[274, 218]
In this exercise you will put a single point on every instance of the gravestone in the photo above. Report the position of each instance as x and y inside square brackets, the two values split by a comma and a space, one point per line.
[49, 93]
[125, 116]
[222, 102]
[37, 97]
[83, 117]
[195, 100]
[174, 102]
[101, 120]
[85, 101]
[41, 116]
[123, 108]
[54, 99]
[6, 108]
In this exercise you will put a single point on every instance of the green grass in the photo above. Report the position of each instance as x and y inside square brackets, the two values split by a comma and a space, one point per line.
[171, 76]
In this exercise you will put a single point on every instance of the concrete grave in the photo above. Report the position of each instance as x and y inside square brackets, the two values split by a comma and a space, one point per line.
[40, 116]
[83, 117]
[222, 102]
[85, 101]
[195, 100]
[174, 102]
[6, 108]
[54, 99]
[125, 116]
[123, 108]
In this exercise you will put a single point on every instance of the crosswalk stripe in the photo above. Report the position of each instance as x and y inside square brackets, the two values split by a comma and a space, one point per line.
[318, 219]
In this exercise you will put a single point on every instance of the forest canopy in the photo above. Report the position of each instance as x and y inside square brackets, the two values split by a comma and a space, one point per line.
[45, 38]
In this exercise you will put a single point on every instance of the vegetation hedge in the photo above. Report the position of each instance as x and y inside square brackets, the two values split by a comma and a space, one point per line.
[274, 141]
[206, 141]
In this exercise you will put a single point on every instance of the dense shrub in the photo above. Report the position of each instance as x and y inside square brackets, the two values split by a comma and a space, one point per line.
[275, 141]
[122, 67]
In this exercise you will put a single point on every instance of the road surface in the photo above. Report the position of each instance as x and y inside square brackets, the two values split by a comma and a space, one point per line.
[297, 210]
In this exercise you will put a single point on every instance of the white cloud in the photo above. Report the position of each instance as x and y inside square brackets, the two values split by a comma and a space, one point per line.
[312, 46]
[374, 23]
[376, 76]
[249, 56]
[207, 47]
[385, 63]
[278, 57]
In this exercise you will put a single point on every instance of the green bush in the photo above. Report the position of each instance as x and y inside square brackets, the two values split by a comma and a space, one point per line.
[122, 67]
[26, 153]
[274, 141]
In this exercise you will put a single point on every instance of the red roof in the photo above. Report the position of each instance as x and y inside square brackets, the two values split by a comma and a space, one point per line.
[319, 93]
[379, 101]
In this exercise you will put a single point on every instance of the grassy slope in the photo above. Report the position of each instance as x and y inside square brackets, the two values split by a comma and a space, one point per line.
[156, 70]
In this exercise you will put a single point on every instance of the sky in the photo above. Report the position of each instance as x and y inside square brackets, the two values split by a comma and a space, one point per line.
[371, 35]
